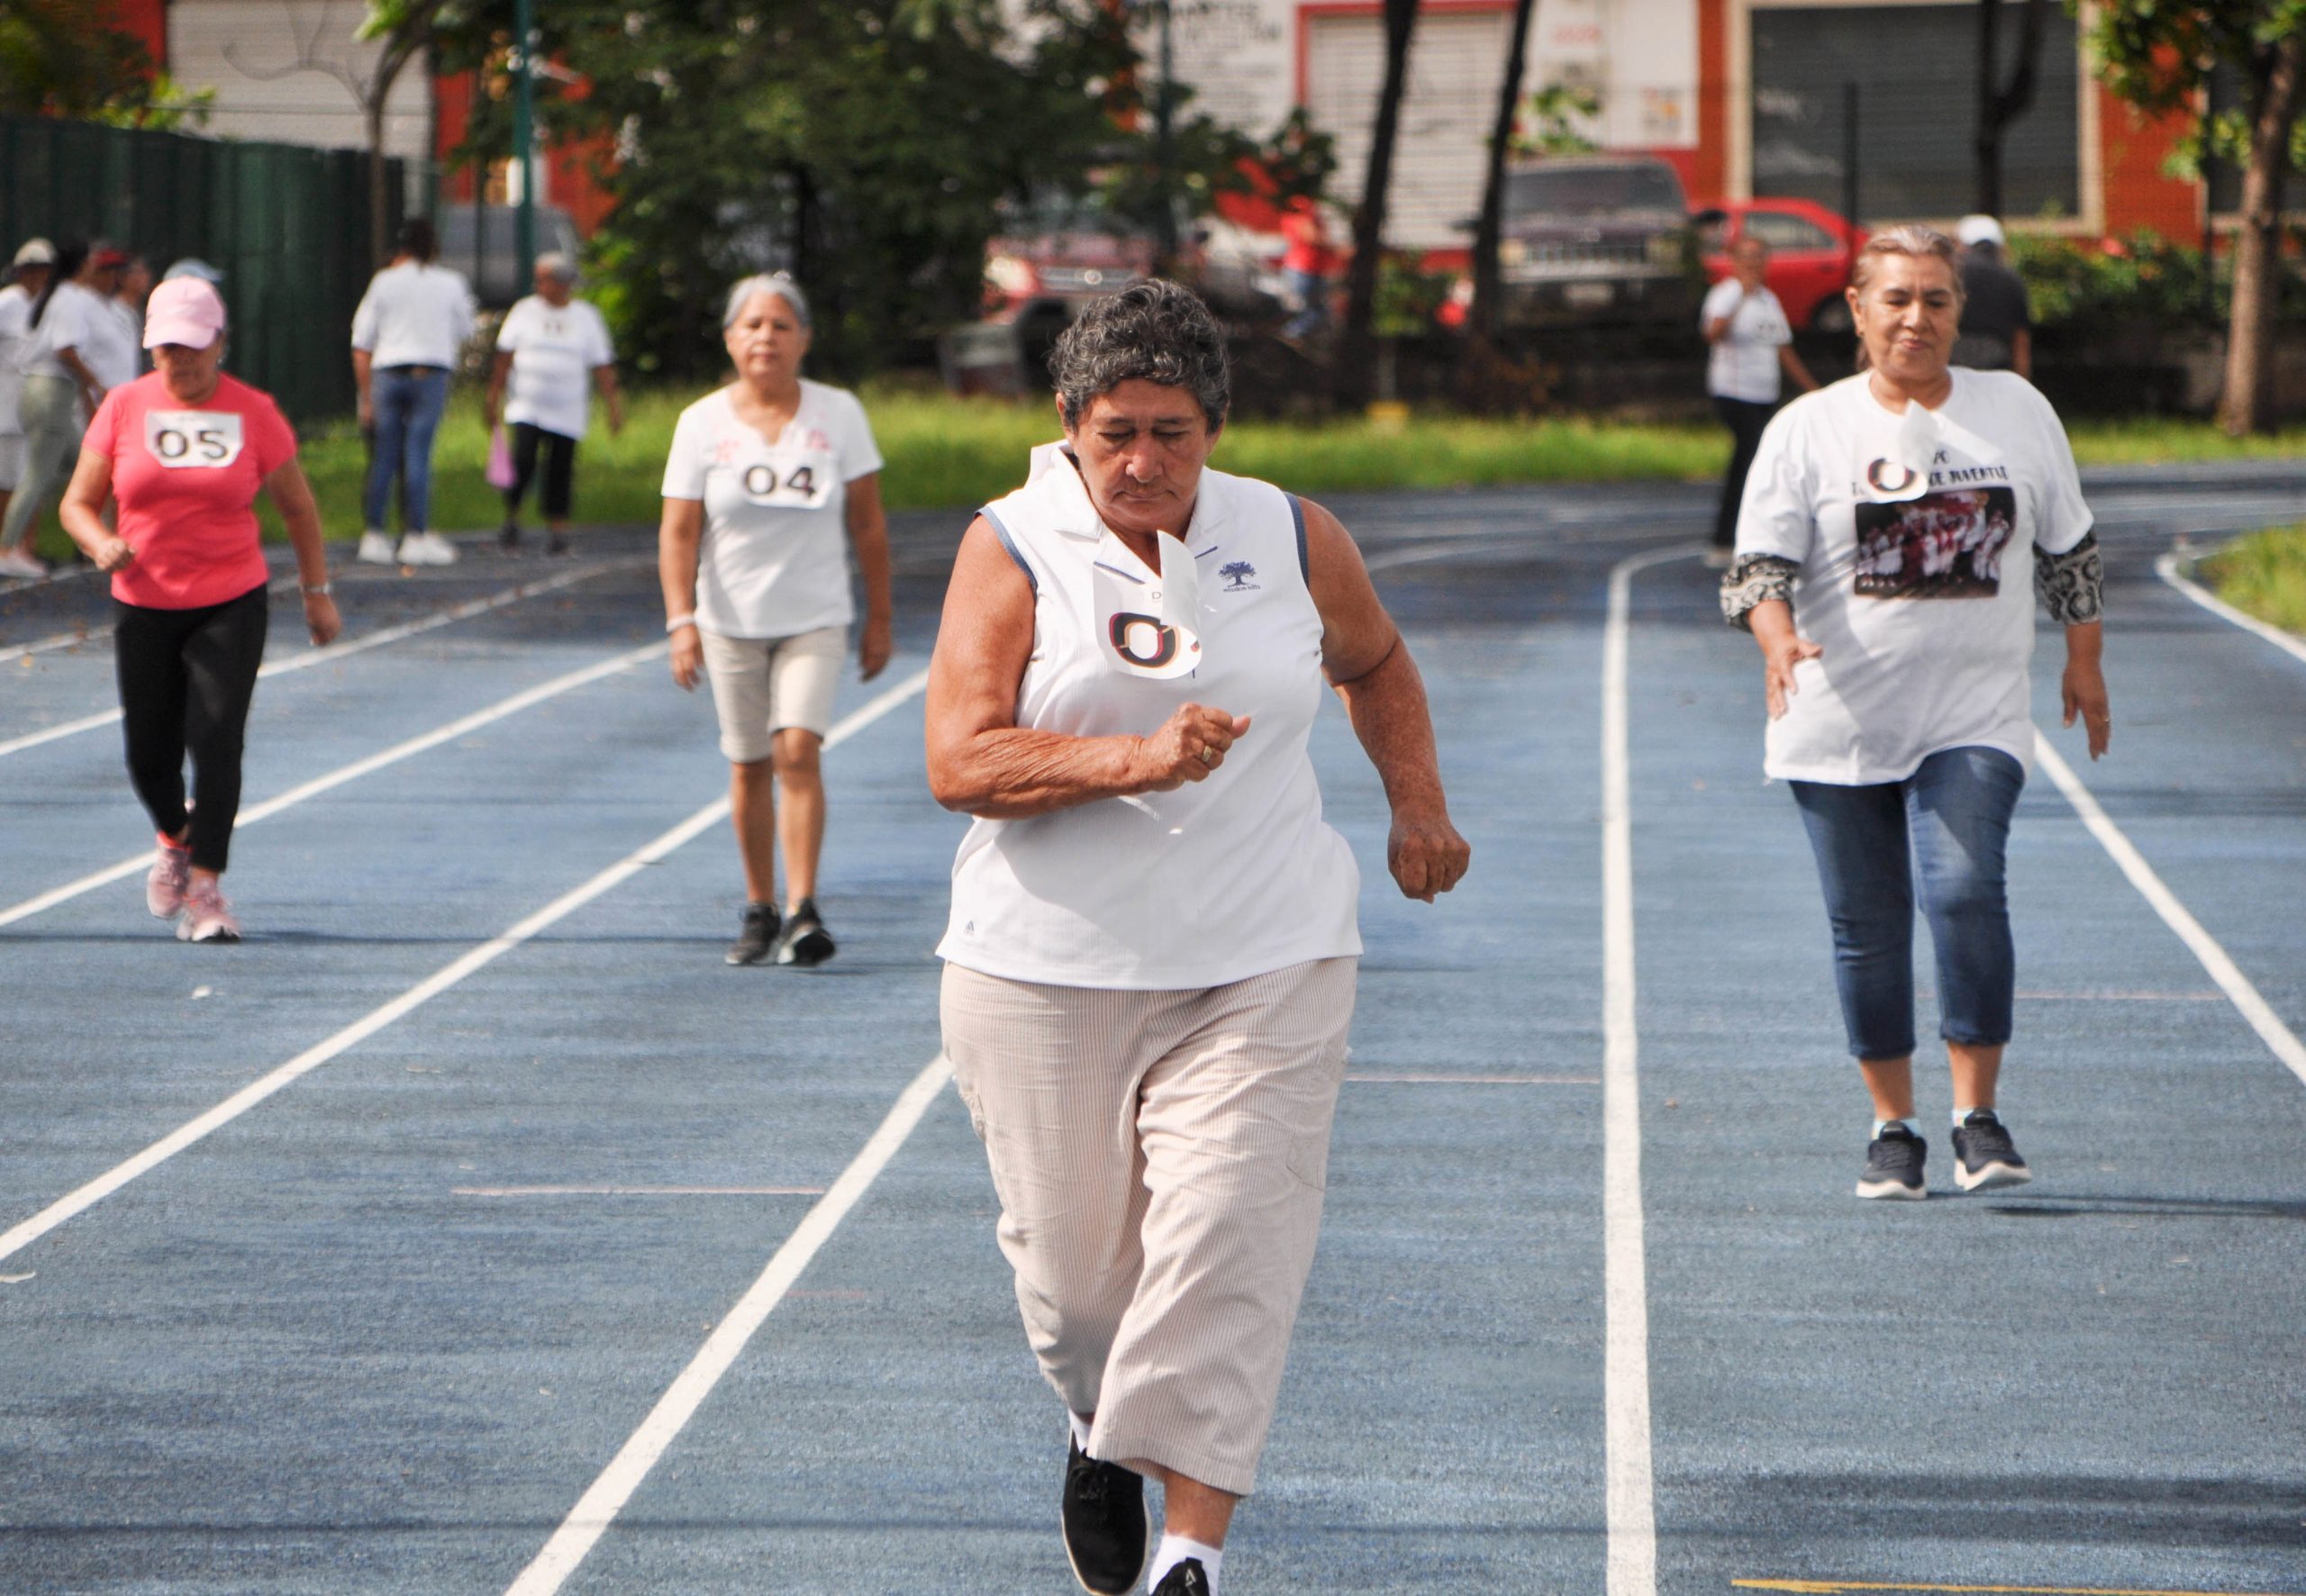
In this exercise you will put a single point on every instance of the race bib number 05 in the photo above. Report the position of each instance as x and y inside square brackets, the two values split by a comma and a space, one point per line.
[790, 481]
[190, 439]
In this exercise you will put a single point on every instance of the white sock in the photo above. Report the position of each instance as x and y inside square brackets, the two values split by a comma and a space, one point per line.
[1174, 1549]
[1962, 1114]
[1882, 1125]
[1080, 1430]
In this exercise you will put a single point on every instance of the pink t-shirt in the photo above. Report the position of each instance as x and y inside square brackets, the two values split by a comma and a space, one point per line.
[186, 480]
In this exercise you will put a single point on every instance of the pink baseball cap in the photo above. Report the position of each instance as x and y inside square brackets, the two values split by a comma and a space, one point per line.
[182, 310]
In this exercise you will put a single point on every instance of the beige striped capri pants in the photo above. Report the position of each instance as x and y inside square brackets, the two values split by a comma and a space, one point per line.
[1159, 1157]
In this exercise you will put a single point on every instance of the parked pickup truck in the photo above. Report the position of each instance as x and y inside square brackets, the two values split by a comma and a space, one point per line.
[1600, 239]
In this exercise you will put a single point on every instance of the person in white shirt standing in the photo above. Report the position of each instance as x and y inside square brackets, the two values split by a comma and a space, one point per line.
[1896, 532]
[553, 349]
[770, 483]
[75, 353]
[34, 261]
[1751, 343]
[128, 307]
[405, 337]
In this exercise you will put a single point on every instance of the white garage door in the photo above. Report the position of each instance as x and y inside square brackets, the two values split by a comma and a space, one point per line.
[1456, 61]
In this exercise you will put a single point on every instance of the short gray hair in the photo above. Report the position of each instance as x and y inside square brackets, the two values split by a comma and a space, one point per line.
[554, 264]
[780, 283]
[1156, 330]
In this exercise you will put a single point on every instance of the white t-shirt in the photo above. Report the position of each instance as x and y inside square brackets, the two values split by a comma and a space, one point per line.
[15, 324]
[75, 316]
[1743, 363]
[118, 345]
[414, 315]
[554, 350]
[1921, 591]
[774, 558]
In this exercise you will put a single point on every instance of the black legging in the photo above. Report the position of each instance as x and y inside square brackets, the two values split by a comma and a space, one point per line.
[1744, 420]
[185, 679]
[559, 469]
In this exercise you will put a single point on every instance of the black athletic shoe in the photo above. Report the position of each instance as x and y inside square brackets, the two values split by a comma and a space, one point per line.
[1985, 1156]
[1893, 1161]
[756, 937]
[508, 536]
[1106, 1525]
[806, 941]
[1186, 1579]
[555, 546]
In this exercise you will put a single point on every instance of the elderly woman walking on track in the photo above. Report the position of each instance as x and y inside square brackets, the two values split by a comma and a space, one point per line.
[1151, 956]
[185, 451]
[770, 480]
[1896, 528]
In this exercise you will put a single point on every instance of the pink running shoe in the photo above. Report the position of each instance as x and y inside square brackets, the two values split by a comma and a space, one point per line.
[207, 918]
[164, 888]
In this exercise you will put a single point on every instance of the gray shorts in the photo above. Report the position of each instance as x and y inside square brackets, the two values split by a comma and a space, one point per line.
[761, 685]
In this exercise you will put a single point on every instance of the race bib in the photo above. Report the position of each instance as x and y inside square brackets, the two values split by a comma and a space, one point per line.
[193, 440]
[791, 480]
[1151, 629]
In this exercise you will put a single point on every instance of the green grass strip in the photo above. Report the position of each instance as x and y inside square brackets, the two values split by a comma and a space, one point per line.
[2264, 575]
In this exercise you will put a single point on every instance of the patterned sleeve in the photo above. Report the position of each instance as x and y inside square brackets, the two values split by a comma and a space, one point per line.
[1756, 579]
[2071, 585]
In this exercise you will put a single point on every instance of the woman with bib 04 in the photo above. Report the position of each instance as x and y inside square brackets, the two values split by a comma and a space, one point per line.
[771, 483]
[1153, 944]
[1896, 531]
[184, 451]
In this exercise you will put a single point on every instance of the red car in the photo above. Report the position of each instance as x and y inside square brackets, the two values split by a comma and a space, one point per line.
[1809, 251]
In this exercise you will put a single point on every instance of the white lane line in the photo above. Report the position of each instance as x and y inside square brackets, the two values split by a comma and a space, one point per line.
[597, 1508]
[342, 650]
[1632, 1565]
[449, 975]
[1437, 1080]
[2168, 567]
[636, 1191]
[2221, 968]
[86, 633]
[347, 773]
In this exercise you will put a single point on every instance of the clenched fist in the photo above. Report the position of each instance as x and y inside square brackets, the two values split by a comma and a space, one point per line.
[1190, 744]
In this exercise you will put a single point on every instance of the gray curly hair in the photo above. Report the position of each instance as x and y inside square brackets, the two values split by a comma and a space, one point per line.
[780, 283]
[1156, 331]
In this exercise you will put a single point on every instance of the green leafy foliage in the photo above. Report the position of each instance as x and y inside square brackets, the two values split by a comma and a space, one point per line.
[2139, 276]
[64, 58]
[2160, 55]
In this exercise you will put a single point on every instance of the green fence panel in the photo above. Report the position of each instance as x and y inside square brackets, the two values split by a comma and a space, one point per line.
[288, 225]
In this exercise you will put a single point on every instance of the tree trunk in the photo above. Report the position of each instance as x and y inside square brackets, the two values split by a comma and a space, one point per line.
[1488, 290]
[1999, 105]
[379, 179]
[1358, 347]
[2249, 402]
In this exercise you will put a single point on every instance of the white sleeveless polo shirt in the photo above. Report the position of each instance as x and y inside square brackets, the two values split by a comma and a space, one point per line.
[1225, 878]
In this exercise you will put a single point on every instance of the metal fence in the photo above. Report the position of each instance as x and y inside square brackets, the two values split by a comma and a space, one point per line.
[288, 225]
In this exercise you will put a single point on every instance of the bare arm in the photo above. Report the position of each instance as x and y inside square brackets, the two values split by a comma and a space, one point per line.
[2021, 352]
[1771, 624]
[982, 763]
[92, 391]
[491, 402]
[82, 511]
[1793, 367]
[1368, 662]
[292, 495]
[868, 538]
[363, 370]
[611, 397]
[677, 535]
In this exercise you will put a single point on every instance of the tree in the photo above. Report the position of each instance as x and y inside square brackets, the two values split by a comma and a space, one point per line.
[1356, 351]
[2001, 103]
[2161, 57]
[63, 57]
[1487, 286]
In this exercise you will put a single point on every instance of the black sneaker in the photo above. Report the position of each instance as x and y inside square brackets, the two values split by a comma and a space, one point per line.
[1985, 1156]
[1106, 1525]
[555, 546]
[1893, 1161]
[806, 941]
[1185, 1579]
[756, 937]
[508, 536]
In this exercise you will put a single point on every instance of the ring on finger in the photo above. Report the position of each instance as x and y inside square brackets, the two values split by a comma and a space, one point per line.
[1208, 755]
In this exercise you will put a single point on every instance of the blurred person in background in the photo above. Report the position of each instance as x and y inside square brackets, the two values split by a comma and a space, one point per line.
[406, 334]
[552, 350]
[70, 358]
[771, 483]
[191, 265]
[128, 305]
[184, 453]
[1997, 320]
[1752, 344]
[1305, 265]
[28, 280]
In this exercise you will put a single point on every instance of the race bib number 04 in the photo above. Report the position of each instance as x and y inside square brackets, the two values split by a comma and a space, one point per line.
[791, 481]
[193, 440]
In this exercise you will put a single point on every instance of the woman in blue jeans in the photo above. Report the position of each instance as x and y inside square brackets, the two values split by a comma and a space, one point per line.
[1896, 529]
[406, 335]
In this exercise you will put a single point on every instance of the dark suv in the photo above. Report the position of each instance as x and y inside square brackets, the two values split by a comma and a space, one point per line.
[1598, 240]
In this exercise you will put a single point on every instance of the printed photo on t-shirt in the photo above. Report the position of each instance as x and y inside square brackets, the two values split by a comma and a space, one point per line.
[1942, 545]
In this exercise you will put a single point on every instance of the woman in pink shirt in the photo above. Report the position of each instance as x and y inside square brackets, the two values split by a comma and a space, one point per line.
[185, 451]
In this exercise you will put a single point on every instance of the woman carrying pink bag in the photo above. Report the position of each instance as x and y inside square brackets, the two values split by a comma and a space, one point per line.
[552, 347]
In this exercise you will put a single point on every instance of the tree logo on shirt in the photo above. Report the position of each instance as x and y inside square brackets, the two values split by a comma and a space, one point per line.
[1237, 575]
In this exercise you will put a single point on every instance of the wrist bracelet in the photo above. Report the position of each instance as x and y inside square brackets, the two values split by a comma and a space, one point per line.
[677, 622]
[322, 590]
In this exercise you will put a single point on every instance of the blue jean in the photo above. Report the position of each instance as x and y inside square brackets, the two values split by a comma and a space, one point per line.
[1952, 817]
[408, 401]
